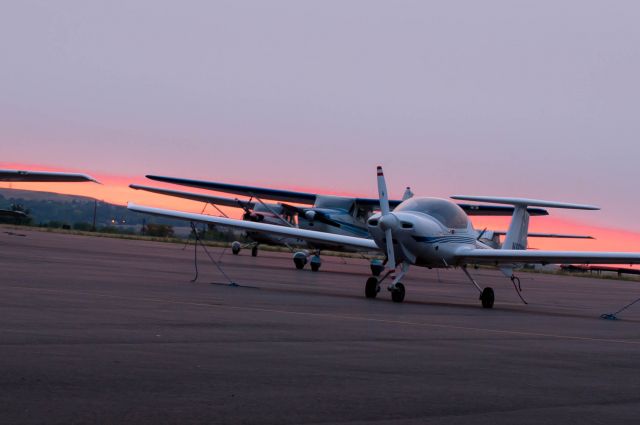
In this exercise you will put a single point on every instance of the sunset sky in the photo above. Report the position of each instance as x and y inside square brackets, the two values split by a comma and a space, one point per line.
[504, 98]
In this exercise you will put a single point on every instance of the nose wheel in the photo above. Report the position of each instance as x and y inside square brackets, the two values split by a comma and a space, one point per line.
[397, 293]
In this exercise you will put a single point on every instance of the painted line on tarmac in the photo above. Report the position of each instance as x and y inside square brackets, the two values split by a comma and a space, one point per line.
[338, 316]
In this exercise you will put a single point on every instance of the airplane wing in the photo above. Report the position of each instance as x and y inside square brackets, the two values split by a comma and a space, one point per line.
[250, 191]
[310, 198]
[309, 235]
[43, 176]
[470, 209]
[510, 256]
[217, 200]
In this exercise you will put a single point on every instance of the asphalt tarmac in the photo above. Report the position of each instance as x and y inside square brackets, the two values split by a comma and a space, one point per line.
[99, 330]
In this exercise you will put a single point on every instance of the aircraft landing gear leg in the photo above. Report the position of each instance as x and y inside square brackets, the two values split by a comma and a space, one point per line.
[254, 250]
[397, 288]
[487, 296]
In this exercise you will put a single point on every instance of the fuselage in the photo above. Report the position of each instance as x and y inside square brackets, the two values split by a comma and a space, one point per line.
[337, 215]
[426, 231]
[271, 214]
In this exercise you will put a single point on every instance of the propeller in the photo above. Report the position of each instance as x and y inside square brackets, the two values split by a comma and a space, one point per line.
[388, 221]
[311, 214]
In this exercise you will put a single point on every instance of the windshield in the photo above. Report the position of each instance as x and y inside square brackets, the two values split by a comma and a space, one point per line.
[446, 212]
[334, 203]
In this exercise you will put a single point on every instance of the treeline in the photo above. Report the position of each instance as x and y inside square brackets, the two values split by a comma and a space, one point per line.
[70, 210]
[77, 213]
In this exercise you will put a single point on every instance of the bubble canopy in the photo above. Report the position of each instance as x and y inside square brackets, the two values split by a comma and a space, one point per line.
[446, 212]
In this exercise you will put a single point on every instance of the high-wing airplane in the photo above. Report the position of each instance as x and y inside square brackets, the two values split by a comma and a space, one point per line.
[255, 211]
[327, 213]
[38, 176]
[432, 232]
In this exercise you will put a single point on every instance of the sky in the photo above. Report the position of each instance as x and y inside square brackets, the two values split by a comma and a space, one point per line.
[536, 99]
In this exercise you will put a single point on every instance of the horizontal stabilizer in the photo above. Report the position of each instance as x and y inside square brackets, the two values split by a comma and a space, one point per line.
[510, 256]
[547, 235]
[525, 202]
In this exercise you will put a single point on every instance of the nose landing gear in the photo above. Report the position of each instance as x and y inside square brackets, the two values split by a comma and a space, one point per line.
[397, 293]
[372, 287]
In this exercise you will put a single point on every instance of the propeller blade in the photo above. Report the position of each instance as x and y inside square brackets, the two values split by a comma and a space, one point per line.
[382, 193]
[391, 263]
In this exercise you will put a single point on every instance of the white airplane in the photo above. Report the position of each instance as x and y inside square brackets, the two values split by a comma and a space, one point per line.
[326, 213]
[435, 233]
[38, 176]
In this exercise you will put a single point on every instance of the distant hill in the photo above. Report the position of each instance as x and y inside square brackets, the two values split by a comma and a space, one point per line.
[45, 207]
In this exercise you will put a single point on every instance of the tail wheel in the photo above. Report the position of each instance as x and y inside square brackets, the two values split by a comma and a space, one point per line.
[371, 288]
[397, 294]
[487, 297]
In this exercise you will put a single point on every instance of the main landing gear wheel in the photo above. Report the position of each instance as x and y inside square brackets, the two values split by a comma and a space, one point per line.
[397, 294]
[299, 259]
[235, 248]
[254, 251]
[371, 288]
[487, 297]
[315, 263]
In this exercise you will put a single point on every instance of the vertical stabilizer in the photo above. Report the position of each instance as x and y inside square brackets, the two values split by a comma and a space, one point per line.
[516, 237]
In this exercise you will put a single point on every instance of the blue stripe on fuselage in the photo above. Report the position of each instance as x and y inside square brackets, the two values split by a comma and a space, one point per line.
[444, 239]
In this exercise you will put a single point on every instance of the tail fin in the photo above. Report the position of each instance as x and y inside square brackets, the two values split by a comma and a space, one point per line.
[516, 237]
